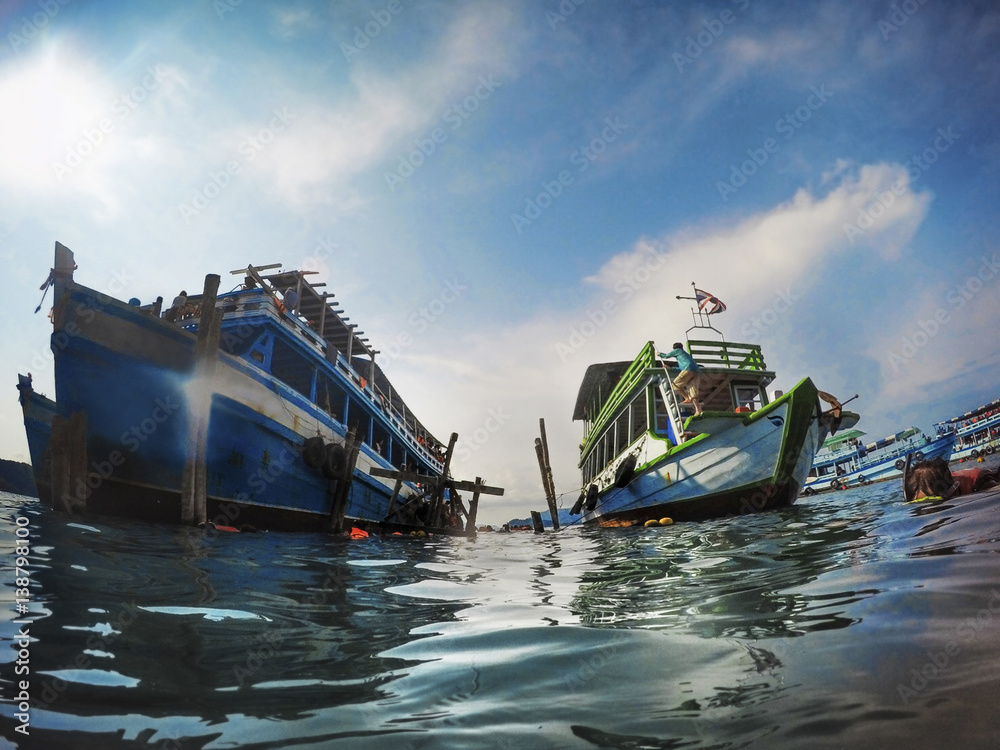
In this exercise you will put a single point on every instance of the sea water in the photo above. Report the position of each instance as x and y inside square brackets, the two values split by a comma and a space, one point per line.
[849, 620]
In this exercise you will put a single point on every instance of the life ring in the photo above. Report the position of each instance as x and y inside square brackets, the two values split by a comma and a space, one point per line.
[591, 497]
[578, 505]
[918, 456]
[336, 461]
[314, 452]
[900, 464]
[625, 471]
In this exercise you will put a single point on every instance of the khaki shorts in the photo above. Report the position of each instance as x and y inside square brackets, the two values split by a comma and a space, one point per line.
[687, 382]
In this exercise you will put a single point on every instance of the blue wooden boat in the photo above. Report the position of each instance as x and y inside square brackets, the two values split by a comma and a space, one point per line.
[275, 408]
[976, 433]
[846, 460]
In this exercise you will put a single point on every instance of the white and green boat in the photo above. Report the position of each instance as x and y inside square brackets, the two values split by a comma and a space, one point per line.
[645, 456]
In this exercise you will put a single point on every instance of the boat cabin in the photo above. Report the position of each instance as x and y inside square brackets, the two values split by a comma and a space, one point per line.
[620, 403]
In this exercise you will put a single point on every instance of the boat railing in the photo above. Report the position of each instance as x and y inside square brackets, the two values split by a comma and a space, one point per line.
[728, 355]
[254, 302]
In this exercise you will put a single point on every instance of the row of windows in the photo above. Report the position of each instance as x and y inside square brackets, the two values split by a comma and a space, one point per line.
[296, 371]
[632, 422]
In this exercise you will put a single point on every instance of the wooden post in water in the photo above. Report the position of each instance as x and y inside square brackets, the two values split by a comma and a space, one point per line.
[542, 451]
[194, 479]
[77, 461]
[438, 498]
[470, 522]
[536, 521]
[338, 507]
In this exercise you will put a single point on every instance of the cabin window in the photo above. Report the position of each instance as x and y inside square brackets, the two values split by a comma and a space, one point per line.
[292, 368]
[238, 339]
[747, 396]
[639, 423]
[360, 421]
[330, 397]
[621, 432]
[380, 439]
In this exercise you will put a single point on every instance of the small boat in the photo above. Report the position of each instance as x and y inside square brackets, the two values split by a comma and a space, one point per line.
[845, 460]
[646, 457]
[38, 411]
[976, 433]
[261, 407]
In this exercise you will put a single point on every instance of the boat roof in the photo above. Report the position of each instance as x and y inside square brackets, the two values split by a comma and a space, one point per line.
[842, 437]
[329, 324]
[599, 379]
[974, 413]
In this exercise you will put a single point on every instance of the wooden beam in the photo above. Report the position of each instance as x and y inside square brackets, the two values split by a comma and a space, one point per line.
[412, 476]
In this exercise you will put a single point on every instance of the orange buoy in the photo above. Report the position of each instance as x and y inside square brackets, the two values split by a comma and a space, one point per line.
[357, 533]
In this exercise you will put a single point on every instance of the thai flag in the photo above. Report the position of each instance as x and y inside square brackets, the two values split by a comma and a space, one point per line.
[710, 301]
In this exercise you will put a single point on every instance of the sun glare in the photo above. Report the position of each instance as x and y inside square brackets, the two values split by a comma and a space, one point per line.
[51, 107]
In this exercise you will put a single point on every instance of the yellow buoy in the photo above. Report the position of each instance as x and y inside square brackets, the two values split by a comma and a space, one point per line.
[652, 522]
[666, 521]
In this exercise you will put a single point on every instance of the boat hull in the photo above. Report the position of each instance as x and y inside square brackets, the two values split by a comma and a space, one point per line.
[758, 463]
[134, 378]
[39, 412]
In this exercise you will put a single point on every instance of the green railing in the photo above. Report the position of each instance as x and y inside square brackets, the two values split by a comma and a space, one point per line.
[633, 374]
[728, 355]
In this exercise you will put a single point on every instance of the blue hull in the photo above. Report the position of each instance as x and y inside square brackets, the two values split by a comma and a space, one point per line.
[886, 468]
[38, 414]
[133, 377]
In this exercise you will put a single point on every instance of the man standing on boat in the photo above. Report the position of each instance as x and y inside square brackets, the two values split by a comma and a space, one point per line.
[689, 379]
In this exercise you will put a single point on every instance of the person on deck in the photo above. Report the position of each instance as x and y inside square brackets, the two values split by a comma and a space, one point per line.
[933, 480]
[176, 307]
[291, 300]
[689, 380]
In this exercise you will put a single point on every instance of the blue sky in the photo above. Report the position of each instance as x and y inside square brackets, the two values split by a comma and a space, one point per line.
[502, 194]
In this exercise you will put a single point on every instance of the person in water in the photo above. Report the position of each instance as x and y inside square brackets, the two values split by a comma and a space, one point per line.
[688, 381]
[933, 480]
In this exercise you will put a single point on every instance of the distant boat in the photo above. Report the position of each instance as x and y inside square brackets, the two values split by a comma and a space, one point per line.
[274, 412]
[645, 456]
[977, 432]
[846, 460]
[38, 411]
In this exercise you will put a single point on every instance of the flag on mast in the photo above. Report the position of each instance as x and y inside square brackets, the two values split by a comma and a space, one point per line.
[710, 301]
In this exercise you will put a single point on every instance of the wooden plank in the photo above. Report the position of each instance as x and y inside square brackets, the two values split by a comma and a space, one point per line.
[411, 476]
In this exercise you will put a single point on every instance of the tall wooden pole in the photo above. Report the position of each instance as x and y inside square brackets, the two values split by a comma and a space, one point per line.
[194, 479]
[542, 452]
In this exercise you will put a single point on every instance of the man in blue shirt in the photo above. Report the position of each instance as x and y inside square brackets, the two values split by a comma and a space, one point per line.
[689, 379]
